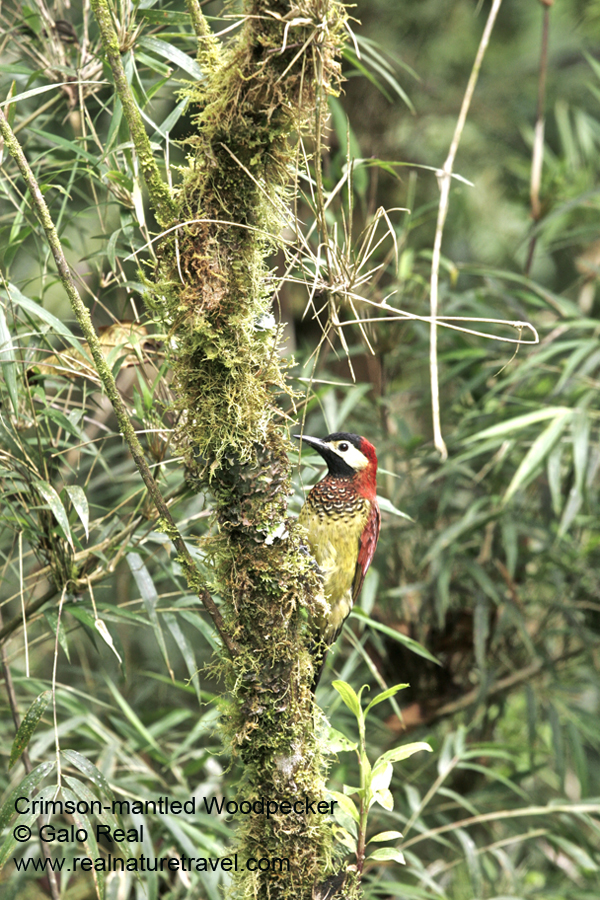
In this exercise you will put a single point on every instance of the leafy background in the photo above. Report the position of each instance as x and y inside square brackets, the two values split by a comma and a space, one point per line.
[496, 573]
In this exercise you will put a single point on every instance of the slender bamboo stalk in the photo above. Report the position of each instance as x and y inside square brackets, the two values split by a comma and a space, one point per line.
[160, 194]
[537, 158]
[445, 176]
[83, 317]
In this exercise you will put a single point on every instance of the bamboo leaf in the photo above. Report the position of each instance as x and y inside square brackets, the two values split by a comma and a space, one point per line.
[408, 642]
[387, 506]
[187, 651]
[39, 312]
[146, 738]
[540, 449]
[58, 629]
[80, 505]
[82, 822]
[508, 428]
[42, 90]
[10, 844]
[174, 55]
[23, 789]
[88, 769]
[28, 726]
[58, 510]
[8, 362]
[143, 579]
[106, 637]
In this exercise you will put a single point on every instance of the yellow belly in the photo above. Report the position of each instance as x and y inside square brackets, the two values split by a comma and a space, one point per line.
[334, 543]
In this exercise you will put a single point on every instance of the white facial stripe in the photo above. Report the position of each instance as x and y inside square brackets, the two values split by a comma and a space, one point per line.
[355, 459]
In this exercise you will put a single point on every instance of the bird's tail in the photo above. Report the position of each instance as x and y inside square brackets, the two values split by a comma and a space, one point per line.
[319, 651]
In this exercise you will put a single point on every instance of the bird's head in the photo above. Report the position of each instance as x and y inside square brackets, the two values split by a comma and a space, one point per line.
[348, 456]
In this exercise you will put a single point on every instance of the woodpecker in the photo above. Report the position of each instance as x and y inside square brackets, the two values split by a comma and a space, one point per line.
[342, 518]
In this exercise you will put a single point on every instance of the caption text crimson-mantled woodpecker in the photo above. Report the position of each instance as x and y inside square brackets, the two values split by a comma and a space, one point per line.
[165, 806]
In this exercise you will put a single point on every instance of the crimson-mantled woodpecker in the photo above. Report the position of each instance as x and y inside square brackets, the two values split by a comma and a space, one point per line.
[342, 518]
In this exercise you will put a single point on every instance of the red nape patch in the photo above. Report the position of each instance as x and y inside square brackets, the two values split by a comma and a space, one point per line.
[368, 477]
[369, 451]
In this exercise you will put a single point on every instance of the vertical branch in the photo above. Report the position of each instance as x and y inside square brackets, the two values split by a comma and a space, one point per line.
[209, 51]
[537, 157]
[160, 195]
[444, 177]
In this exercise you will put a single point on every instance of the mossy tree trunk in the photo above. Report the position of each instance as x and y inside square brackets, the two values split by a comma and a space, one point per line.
[212, 288]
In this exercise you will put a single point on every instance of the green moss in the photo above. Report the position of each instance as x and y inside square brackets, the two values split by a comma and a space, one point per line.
[211, 287]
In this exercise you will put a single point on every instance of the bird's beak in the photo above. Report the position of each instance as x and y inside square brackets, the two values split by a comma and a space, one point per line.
[320, 446]
[317, 443]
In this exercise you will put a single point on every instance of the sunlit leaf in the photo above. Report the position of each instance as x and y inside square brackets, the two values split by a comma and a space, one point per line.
[384, 836]
[397, 754]
[387, 854]
[349, 697]
[345, 804]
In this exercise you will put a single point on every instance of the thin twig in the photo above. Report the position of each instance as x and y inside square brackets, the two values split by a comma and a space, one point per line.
[126, 428]
[537, 157]
[445, 177]
[551, 809]
[23, 613]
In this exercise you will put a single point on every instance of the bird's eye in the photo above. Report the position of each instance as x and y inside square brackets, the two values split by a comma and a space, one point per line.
[343, 447]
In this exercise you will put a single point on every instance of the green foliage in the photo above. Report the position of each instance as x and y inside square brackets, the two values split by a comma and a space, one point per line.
[494, 577]
[374, 784]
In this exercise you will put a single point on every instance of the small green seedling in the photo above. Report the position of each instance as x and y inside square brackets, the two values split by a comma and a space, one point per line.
[374, 782]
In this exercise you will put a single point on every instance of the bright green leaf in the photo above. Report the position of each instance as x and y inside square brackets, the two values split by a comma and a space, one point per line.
[385, 695]
[345, 804]
[384, 836]
[8, 363]
[336, 742]
[397, 754]
[384, 798]
[349, 697]
[387, 854]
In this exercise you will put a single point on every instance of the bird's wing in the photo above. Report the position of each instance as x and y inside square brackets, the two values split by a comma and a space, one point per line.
[366, 548]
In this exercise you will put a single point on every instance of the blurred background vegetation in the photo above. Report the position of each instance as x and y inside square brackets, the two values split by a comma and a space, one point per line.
[496, 573]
